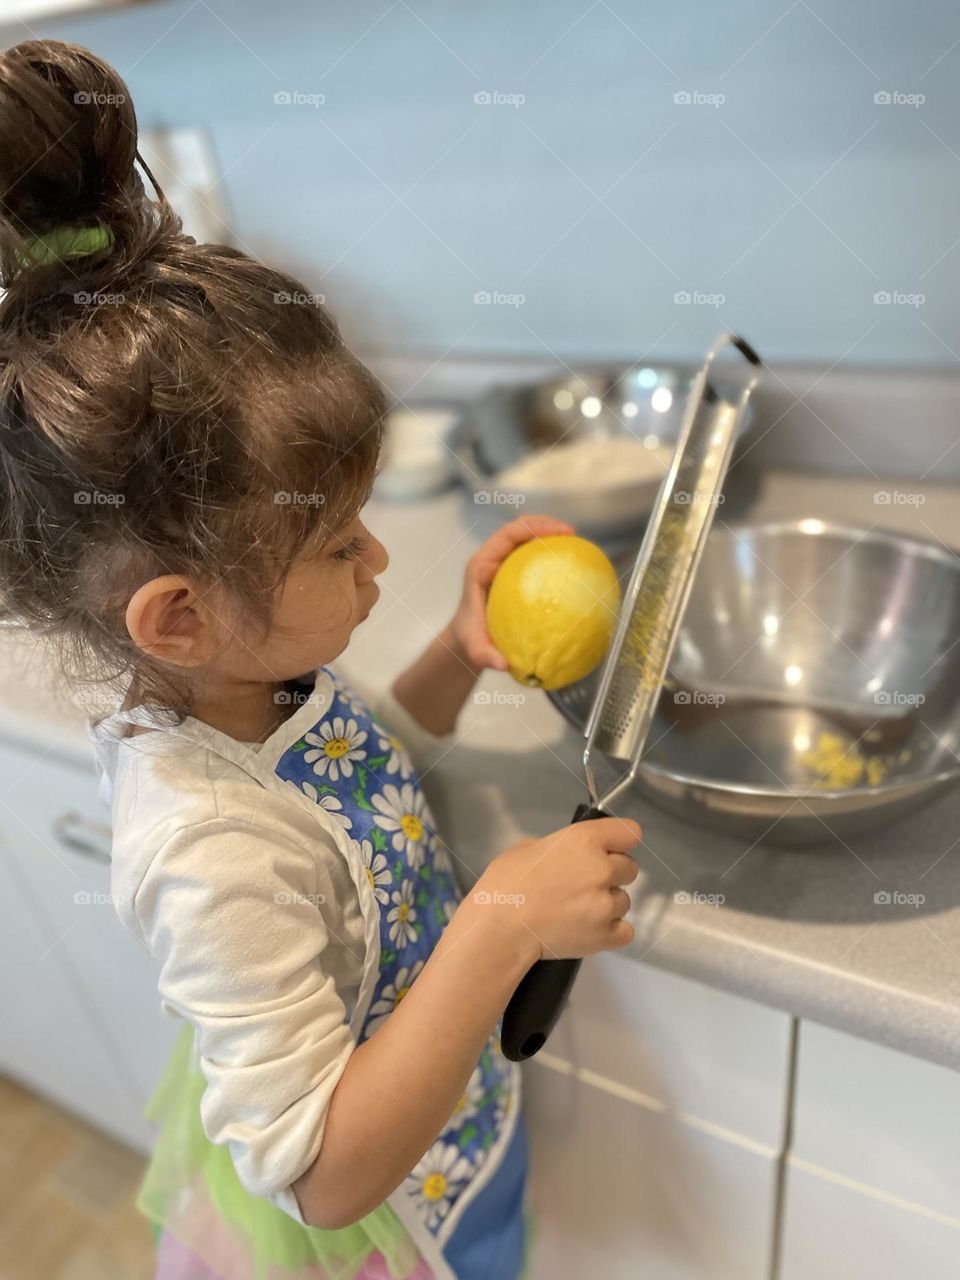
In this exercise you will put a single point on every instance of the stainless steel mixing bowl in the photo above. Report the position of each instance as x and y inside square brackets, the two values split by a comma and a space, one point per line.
[794, 631]
[509, 423]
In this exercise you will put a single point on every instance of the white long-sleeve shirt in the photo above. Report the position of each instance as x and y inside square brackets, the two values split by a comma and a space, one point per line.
[244, 900]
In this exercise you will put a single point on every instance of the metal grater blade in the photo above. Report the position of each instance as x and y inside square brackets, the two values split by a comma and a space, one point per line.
[663, 575]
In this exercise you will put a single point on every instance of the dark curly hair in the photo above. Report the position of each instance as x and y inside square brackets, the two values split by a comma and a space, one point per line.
[158, 397]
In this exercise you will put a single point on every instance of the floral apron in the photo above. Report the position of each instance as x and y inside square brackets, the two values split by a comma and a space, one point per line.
[463, 1205]
[465, 1197]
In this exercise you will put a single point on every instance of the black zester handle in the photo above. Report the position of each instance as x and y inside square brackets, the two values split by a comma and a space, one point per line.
[542, 992]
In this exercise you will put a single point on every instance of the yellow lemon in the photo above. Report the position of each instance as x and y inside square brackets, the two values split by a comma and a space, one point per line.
[552, 609]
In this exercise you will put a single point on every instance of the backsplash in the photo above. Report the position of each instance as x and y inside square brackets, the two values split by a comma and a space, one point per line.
[873, 423]
[604, 180]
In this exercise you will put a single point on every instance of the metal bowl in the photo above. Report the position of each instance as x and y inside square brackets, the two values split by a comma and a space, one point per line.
[509, 423]
[794, 631]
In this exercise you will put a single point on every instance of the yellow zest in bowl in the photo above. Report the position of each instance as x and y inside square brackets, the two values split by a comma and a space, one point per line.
[837, 764]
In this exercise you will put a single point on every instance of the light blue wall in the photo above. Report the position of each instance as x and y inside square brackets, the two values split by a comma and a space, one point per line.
[504, 198]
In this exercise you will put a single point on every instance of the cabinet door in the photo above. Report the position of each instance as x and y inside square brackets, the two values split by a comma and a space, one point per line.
[46, 1039]
[624, 1191]
[878, 1117]
[833, 1231]
[56, 841]
[704, 1054]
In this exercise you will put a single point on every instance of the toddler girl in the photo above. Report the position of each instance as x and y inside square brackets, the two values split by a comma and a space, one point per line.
[184, 459]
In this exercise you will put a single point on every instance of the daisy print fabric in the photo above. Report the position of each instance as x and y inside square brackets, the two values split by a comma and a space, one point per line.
[362, 776]
[334, 749]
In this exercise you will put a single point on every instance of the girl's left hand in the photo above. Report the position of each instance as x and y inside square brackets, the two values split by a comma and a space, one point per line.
[467, 630]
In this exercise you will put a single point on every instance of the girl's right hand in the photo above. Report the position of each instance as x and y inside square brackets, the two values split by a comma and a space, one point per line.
[562, 893]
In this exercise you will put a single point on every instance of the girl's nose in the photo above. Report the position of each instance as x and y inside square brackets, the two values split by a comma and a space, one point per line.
[375, 558]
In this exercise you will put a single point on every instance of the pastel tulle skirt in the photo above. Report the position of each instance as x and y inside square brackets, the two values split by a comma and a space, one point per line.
[207, 1227]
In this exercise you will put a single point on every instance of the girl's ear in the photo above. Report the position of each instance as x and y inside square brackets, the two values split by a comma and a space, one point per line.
[164, 622]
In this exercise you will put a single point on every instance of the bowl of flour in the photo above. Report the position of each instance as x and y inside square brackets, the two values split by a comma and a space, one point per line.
[609, 480]
[589, 446]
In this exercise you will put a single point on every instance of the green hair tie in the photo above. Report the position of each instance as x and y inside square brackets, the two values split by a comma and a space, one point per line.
[64, 243]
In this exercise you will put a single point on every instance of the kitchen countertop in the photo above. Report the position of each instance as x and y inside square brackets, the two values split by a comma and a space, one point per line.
[797, 929]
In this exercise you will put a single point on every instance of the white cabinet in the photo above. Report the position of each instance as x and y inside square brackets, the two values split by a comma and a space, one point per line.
[834, 1231]
[872, 1188]
[878, 1117]
[657, 1114]
[658, 1111]
[706, 1055]
[46, 1039]
[621, 1190]
[79, 1007]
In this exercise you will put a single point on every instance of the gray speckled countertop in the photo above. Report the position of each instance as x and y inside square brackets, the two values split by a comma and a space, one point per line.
[798, 929]
[801, 929]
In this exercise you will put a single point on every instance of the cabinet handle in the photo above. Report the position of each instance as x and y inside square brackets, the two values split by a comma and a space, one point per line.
[82, 835]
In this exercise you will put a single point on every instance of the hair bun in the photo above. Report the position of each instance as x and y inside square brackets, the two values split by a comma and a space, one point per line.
[75, 132]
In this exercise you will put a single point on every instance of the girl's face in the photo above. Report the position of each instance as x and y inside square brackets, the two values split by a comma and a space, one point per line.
[325, 595]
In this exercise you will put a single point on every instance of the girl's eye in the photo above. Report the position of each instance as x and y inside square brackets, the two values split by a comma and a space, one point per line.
[354, 548]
